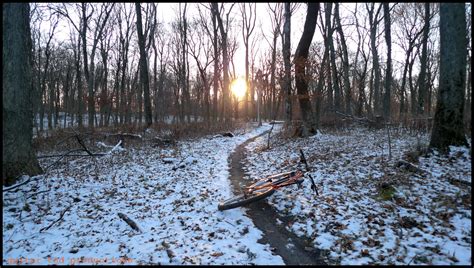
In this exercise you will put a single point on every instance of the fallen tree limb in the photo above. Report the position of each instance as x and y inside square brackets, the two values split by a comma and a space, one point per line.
[129, 221]
[124, 135]
[60, 217]
[409, 166]
[16, 185]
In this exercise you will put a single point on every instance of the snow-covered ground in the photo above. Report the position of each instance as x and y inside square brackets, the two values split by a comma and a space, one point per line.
[171, 193]
[424, 219]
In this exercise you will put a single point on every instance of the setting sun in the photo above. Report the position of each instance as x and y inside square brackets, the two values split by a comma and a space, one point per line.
[239, 87]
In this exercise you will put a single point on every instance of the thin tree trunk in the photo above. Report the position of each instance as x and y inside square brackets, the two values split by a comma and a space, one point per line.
[388, 74]
[286, 58]
[345, 61]
[422, 81]
[375, 58]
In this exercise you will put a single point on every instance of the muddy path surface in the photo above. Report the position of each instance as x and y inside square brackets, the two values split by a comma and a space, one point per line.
[293, 249]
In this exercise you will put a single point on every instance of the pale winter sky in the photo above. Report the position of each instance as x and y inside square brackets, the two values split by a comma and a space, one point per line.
[168, 12]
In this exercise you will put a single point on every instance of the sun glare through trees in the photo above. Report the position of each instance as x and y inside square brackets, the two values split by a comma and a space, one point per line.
[239, 88]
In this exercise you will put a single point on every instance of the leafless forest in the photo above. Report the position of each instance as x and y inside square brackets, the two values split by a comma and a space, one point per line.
[92, 72]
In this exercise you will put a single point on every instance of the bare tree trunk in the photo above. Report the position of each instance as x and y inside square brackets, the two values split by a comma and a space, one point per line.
[373, 20]
[388, 74]
[411, 85]
[216, 65]
[18, 154]
[422, 81]
[143, 67]
[51, 86]
[468, 103]
[448, 128]
[286, 58]
[301, 57]
[248, 26]
[225, 62]
[90, 98]
[155, 82]
[327, 65]
[67, 93]
[80, 106]
[337, 93]
[403, 104]
[345, 61]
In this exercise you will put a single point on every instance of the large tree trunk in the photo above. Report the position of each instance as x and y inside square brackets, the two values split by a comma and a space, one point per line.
[448, 128]
[18, 154]
[143, 67]
[301, 78]
[388, 74]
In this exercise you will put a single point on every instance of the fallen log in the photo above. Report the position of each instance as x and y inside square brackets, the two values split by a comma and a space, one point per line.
[129, 221]
[228, 134]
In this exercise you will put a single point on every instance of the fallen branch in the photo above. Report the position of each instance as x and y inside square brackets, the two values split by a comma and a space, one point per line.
[124, 135]
[16, 185]
[409, 166]
[83, 145]
[60, 217]
[129, 221]
[20, 184]
[115, 147]
[40, 192]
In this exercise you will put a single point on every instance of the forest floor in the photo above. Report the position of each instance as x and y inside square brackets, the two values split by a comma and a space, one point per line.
[71, 214]
[369, 209]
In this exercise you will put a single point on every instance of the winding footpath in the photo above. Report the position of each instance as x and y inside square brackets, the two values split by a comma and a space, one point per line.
[293, 249]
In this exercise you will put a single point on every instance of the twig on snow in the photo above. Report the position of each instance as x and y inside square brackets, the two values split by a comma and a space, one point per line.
[60, 217]
[129, 221]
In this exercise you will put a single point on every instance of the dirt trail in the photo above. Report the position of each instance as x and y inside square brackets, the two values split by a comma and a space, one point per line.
[293, 249]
